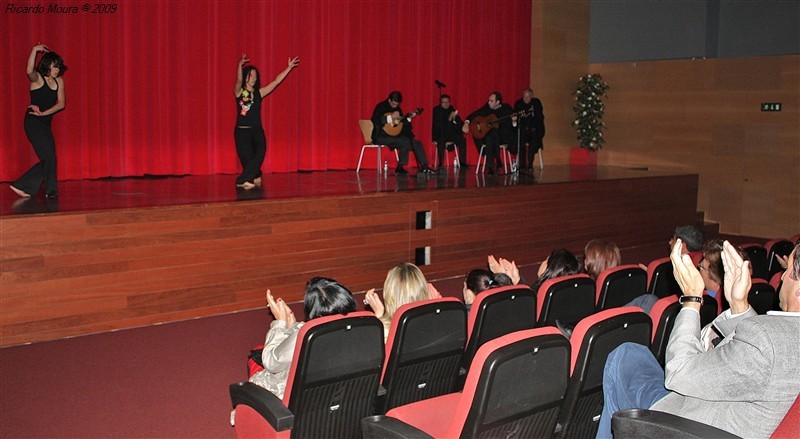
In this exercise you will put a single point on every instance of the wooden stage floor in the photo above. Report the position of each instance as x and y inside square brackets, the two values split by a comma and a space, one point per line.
[121, 253]
[151, 191]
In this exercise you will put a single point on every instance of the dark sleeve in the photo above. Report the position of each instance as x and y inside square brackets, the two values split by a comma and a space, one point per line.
[377, 115]
[483, 111]
[437, 131]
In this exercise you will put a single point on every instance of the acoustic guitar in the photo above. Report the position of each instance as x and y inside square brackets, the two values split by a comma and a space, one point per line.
[394, 122]
[482, 125]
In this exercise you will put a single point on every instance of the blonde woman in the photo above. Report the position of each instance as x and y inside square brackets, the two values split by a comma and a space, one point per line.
[404, 284]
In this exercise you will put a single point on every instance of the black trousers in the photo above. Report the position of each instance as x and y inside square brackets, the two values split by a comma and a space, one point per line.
[530, 144]
[41, 137]
[461, 144]
[251, 146]
[404, 145]
[492, 150]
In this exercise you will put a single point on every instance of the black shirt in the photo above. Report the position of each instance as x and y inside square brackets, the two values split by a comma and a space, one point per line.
[445, 130]
[506, 126]
[379, 119]
[43, 97]
[248, 106]
[534, 122]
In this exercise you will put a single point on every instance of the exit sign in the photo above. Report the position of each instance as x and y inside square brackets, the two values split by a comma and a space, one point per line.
[771, 106]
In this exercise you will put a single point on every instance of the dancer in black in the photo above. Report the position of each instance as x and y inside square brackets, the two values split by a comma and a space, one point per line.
[251, 144]
[47, 98]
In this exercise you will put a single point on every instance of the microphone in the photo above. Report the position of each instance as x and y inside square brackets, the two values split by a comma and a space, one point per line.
[439, 84]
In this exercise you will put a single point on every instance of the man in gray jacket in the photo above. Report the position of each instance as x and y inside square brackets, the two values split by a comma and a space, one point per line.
[744, 385]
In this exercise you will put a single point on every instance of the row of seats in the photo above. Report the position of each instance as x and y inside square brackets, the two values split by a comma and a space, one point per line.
[517, 379]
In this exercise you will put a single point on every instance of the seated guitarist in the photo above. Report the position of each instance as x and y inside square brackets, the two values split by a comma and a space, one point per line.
[404, 142]
[501, 133]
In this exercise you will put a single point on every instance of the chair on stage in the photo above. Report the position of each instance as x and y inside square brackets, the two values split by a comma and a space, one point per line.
[448, 146]
[505, 156]
[617, 286]
[332, 384]
[513, 390]
[366, 131]
[423, 352]
[592, 340]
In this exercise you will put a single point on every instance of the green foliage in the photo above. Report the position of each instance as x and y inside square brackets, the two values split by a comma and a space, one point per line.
[589, 109]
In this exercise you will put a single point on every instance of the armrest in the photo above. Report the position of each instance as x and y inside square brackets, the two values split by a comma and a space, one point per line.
[380, 427]
[264, 402]
[638, 423]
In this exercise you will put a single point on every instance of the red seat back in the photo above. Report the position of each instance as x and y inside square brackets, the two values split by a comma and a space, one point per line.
[789, 428]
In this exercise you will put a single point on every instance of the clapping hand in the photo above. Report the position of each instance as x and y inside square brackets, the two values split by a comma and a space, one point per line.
[686, 272]
[509, 268]
[737, 278]
[280, 310]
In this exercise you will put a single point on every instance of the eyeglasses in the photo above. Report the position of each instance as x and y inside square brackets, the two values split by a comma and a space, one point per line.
[701, 268]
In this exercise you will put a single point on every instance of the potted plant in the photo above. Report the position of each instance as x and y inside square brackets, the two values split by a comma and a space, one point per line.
[589, 109]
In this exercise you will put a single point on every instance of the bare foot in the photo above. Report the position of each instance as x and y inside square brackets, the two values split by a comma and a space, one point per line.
[257, 181]
[247, 185]
[20, 193]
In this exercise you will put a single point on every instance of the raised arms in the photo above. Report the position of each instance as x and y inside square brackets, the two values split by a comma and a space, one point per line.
[269, 88]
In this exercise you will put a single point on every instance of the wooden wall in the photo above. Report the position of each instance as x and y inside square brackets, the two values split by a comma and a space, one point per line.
[703, 116]
[559, 56]
[79, 273]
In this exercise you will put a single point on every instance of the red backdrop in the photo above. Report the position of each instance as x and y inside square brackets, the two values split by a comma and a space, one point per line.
[149, 87]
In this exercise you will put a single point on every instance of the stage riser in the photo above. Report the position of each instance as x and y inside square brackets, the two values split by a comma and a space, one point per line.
[78, 273]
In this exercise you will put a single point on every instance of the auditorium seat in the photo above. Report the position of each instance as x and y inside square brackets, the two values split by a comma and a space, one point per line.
[366, 131]
[789, 428]
[774, 248]
[514, 389]
[423, 352]
[644, 423]
[497, 312]
[758, 259]
[660, 280]
[332, 383]
[761, 296]
[617, 286]
[663, 315]
[592, 340]
[567, 299]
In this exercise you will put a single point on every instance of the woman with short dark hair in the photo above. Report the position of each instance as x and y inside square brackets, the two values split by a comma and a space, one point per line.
[324, 297]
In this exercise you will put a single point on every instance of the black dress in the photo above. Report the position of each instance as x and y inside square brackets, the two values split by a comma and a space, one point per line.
[40, 134]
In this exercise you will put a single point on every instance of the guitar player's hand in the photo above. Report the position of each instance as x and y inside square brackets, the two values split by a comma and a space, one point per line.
[465, 128]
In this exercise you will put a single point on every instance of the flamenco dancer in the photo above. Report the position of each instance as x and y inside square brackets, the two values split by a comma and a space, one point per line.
[47, 98]
[251, 144]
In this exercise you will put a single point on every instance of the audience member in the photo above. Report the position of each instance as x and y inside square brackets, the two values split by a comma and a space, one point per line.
[404, 284]
[690, 236]
[710, 267]
[744, 385]
[561, 262]
[600, 255]
[324, 297]
[480, 280]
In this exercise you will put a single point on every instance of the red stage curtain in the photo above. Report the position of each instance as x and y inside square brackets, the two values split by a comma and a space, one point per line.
[150, 87]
